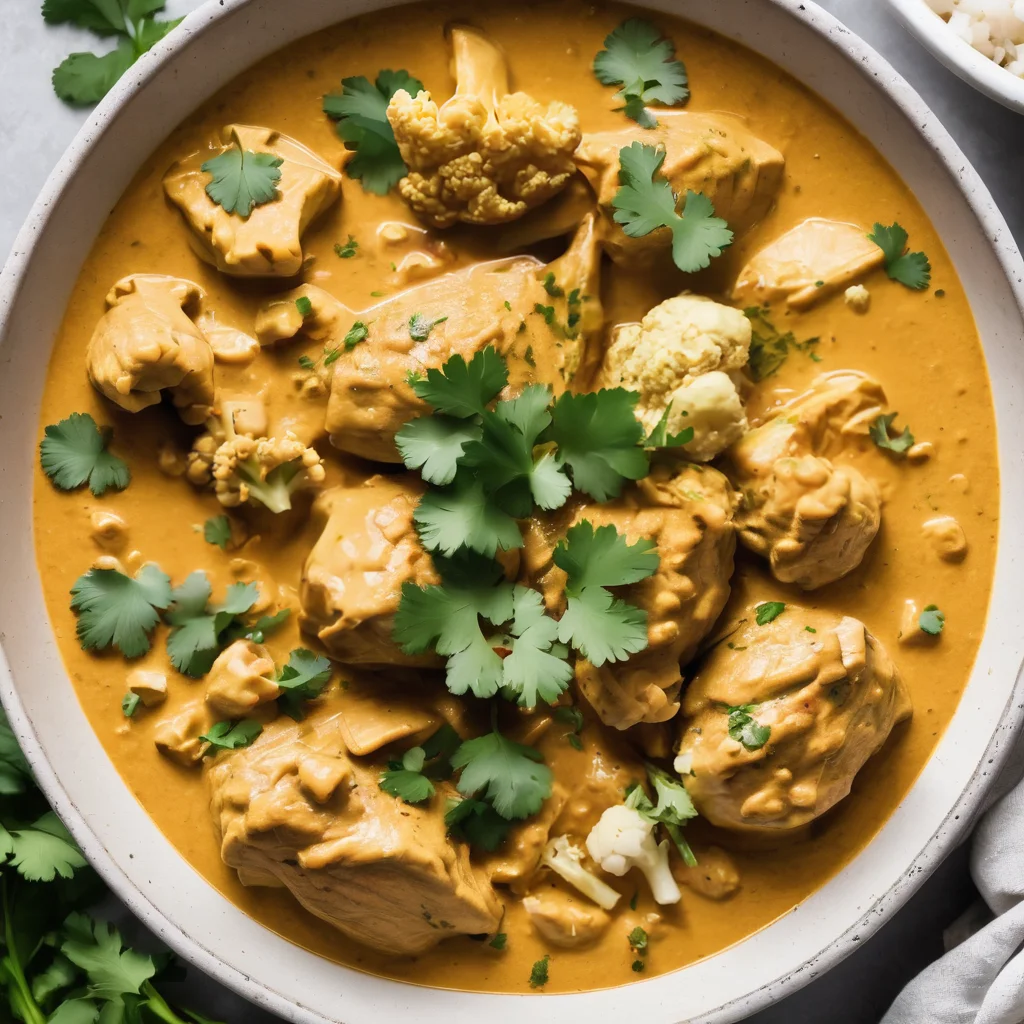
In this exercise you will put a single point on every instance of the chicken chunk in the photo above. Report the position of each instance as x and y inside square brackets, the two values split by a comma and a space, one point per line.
[487, 155]
[292, 809]
[178, 736]
[813, 518]
[714, 154]
[352, 579]
[824, 687]
[564, 921]
[808, 263]
[267, 243]
[240, 679]
[147, 342]
[678, 358]
[487, 304]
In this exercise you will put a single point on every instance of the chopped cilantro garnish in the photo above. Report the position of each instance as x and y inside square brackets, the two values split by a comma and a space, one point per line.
[119, 611]
[528, 357]
[130, 704]
[548, 312]
[638, 940]
[410, 778]
[880, 434]
[745, 729]
[231, 735]
[645, 202]
[551, 286]
[361, 112]
[304, 305]
[573, 717]
[810, 629]
[539, 972]
[638, 966]
[74, 453]
[302, 678]
[499, 940]
[931, 620]
[308, 364]
[909, 268]
[348, 250]
[601, 627]
[356, 333]
[421, 326]
[640, 59]
[673, 809]
[659, 437]
[217, 530]
[242, 180]
[768, 348]
[768, 611]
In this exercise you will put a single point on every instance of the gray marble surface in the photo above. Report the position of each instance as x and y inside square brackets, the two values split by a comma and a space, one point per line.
[35, 128]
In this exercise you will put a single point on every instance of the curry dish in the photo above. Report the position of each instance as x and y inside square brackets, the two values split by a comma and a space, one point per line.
[526, 484]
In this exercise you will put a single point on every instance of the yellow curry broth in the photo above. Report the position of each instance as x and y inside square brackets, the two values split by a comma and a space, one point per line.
[922, 347]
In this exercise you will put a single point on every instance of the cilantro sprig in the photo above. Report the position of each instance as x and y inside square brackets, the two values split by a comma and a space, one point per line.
[411, 779]
[880, 431]
[74, 453]
[645, 202]
[911, 269]
[241, 180]
[744, 728]
[360, 110]
[638, 57]
[770, 348]
[509, 776]
[673, 809]
[302, 679]
[115, 610]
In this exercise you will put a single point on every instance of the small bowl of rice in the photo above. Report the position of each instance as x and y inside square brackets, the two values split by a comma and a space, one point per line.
[982, 41]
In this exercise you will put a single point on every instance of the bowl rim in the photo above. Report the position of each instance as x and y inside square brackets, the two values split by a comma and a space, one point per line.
[967, 63]
[898, 92]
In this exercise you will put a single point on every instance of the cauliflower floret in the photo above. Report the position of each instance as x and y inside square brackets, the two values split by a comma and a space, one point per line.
[240, 679]
[485, 156]
[678, 358]
[265, 470]
[565, 858]
[147, 342]
[624, 839]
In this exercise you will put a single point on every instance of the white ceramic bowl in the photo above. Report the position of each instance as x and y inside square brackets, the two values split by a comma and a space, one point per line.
[959, 56]
[214, 44]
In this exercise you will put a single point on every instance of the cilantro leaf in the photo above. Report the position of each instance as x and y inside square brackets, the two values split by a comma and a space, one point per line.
[659, 437]
[355, 334]
[348, 250]
[464, 515]
[769, 349]
[302, 678]
[510, 776]
[217, 530]
[119, 611]
[673, 809]
[255, 631]
[74, 453]
[598, 436]
[96, 947]
[420, 326]
[434, 445]
[407, 785]
[601, 627]
[637, 940]
[130, 704]
[15, 773]
[908, 268]
[242, 180]
[499, 941]
[231, 735]
[361, 112]
[646, 202]
[536, 669]
[931, 620]
[477, 823]
[198, 632]
[464, 389]
[640, 59]
[898, 445]
[409, 779]
[745, 729]
[539, 972]
[42, 851]
[768, 611]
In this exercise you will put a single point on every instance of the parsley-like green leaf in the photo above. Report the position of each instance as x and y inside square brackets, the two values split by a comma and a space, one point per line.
[931, 620]
[74, 453]
[217, 530]
[356, 333]
[673, 809]
[659, 437]
[348, 250]
[477, 823]
[405, 779]
[637, 939]
[539, 972]
[769, 348]
[42, 851]
[645, 202]
[256, 631]
[434, 445]
[745, 729]
[462, 389]
[464, 515]
[361, 112]
[231, 735]
[241, 180]
[421, 326]
[499, 941]
[96, 947]
[304, 305]
[880, 434]
[768, 611]
[909, 268]
[130, 704]
[302, 678]
[119, 611]
[640, 59]
[15, 773]
[536, 669]
[510, 776]
[551, 286]
[598, 438]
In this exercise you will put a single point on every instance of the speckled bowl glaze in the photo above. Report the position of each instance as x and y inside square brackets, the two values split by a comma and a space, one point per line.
[214, 44]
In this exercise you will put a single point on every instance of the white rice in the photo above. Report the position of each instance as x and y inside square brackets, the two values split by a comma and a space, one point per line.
[993, 27]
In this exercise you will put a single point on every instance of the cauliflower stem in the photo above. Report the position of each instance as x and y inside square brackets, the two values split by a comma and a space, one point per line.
[565, 859]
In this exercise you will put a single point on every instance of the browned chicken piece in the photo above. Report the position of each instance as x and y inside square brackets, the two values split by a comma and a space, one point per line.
[267, 243]
[714, 154]
[177, 735]
[240, 679]
[714, 876]
[564, 920]
[146, 343]
[808, 263]
[352, 579]
[486, 304]
[812, 518]
[294, 810]
[824, 687]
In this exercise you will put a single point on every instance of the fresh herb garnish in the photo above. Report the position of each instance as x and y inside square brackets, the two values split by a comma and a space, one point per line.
[931, 620]
[573, 717]
[361, 112]
[477, 823]
[119, 611]
[551, 286]
[348, 250]
[242, 180]
[645, 202]
[421, 326]
[548, 312]
[511, 777]
[640, 59]
[231, 735]
[302, 678]
[499, 941]
[356, 333]
[539, 972]
[638, 940]
[880, 434]
[410, 778]
[768, 611]
[745, 729]
[909, 268]
[768, 348]
[130, 704]
[659, 437]
[74, 453]
[304, 305]
[217, 530]
[673, 809]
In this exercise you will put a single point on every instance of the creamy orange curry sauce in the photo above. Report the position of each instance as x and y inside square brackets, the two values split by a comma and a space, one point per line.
[815, 582]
